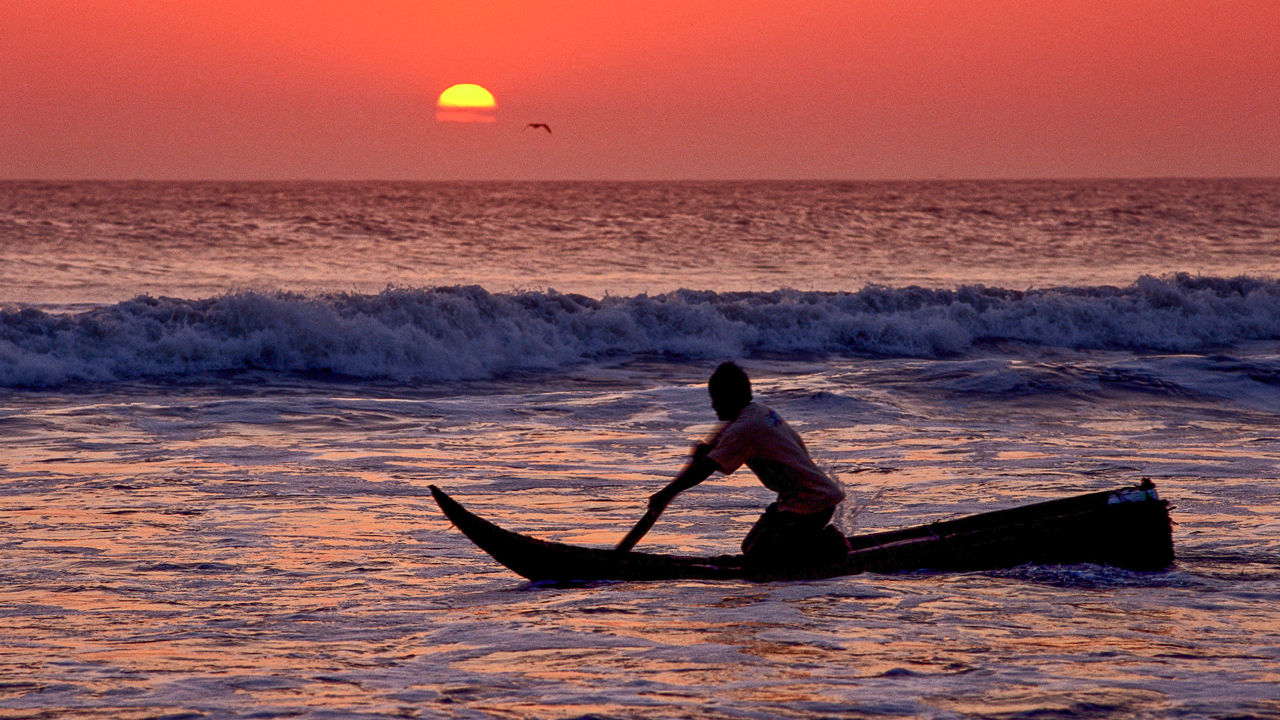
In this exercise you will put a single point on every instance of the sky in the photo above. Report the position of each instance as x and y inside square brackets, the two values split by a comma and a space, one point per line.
[636, 90]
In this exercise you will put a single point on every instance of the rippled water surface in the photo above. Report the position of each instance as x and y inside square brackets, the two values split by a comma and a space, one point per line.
[273, 550]
[219, 427]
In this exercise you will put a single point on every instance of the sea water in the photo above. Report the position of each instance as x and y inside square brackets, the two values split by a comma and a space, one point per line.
[221, 405]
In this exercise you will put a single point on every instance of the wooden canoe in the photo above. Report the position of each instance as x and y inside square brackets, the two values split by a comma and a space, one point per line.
[1127, 528]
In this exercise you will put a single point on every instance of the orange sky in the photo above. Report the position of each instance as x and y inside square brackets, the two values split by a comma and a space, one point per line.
[638, 90]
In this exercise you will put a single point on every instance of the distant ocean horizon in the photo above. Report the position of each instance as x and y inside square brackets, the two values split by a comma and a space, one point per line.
[200, 238]
[688, 179]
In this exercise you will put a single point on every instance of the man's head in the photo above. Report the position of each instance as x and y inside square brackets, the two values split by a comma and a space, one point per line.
[730, 390]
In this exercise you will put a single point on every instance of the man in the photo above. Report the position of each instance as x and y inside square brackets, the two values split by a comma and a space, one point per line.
[795, 529]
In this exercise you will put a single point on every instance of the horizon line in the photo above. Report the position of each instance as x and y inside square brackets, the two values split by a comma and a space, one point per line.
[994, 178]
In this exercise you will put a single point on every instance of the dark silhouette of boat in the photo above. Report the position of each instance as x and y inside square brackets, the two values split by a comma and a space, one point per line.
[1127, 528]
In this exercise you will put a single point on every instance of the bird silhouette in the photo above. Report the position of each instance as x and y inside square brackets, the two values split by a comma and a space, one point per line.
[537, 126]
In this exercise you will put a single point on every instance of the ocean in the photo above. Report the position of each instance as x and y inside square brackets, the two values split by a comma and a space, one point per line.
[222, 404]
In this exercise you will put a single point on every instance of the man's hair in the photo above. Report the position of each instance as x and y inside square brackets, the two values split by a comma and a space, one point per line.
[731, 383]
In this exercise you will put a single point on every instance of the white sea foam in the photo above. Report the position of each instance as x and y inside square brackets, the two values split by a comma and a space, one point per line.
[440, 334]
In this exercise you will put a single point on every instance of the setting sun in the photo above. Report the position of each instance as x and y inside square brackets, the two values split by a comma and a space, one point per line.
[466, 102]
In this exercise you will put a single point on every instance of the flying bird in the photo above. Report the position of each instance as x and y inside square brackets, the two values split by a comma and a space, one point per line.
[537, 126]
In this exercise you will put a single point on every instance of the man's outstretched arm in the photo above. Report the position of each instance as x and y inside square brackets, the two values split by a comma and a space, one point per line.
[698, 469]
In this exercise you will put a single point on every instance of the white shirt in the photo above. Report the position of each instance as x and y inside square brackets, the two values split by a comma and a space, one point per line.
[764, 442]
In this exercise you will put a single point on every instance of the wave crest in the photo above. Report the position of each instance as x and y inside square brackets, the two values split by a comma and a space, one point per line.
[454, 333]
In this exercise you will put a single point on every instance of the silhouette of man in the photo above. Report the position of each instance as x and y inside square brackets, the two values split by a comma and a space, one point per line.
[795, 528]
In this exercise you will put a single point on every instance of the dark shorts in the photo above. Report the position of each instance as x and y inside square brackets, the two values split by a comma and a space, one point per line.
[787, 537]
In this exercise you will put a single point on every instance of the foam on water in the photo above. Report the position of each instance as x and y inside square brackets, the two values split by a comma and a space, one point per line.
[439, 334]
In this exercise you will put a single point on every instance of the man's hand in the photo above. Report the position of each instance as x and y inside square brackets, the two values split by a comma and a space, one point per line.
[699, 469]
[661, 499]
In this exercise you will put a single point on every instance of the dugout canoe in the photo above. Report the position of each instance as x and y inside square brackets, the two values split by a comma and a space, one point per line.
[1127, 527]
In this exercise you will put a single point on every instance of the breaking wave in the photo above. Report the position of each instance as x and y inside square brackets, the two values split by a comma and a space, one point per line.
[454, 333]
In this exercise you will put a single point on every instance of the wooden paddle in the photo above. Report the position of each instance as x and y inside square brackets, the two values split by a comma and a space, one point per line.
[637, 532]
[698, 469]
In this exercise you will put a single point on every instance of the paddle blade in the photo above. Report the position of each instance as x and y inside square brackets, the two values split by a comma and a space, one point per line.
[639, 530]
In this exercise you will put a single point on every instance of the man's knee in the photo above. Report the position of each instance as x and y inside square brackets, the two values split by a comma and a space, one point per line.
[782, 538]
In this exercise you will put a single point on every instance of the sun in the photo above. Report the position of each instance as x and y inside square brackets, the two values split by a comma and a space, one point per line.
[466, 102]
